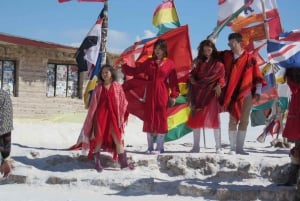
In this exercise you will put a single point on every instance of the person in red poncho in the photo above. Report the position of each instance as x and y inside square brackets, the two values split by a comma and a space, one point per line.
[205, 83]
[292, 127]
[161, 89]
[103, 128]
[244, 82]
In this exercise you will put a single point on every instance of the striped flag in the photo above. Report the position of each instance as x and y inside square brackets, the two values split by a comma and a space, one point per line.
[165, 17]
[269, 91]
[88, 56]
[286, 50]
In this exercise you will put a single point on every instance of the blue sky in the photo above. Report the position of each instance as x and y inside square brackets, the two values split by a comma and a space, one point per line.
[129, 20]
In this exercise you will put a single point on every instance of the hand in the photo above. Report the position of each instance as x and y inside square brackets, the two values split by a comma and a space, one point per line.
[218, 90]
[256, 98]
[172, 102]
[5, 168]
[192, 80]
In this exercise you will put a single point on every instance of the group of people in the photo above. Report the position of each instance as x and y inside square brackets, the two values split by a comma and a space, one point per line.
[219, 81]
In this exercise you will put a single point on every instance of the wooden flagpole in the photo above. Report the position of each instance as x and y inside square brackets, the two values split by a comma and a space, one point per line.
[104, 30]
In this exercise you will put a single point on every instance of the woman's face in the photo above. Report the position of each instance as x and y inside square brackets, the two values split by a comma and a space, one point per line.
[207, 51]
[106, 75]
[159, 53]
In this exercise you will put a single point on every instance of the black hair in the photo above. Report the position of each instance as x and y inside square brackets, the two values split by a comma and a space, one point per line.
[293, 74]
[236, 36]
[111, 69]
[162, 44]
[209, 43]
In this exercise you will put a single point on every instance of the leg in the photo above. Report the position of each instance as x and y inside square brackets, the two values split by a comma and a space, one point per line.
[150, 143]
[160, 140]
[122, 156]
[217, 134]
[232, 133]
[242, 127]
[196, 138]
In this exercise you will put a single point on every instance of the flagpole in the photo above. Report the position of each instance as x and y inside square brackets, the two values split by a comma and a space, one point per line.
[104, 30]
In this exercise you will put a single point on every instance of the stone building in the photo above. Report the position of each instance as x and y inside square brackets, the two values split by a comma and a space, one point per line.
[42, 77]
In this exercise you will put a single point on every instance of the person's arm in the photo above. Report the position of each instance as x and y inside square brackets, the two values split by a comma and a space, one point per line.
[173, 85]
[128, 70]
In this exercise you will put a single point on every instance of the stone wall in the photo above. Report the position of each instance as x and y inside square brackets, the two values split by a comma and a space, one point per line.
[30, 87]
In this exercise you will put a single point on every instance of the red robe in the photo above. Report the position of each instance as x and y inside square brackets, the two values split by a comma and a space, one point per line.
[292, 126]
[242, 76]
[203, 100]
[107, 113]
[161, 82]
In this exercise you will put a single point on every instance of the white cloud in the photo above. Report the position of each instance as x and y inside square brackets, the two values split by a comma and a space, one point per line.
[147, 34]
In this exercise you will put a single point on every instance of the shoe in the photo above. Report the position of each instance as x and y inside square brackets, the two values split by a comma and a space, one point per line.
[219, 151]
[157, 152]
[242, 152]
[149, 151]
[231, 152]
[195, 150]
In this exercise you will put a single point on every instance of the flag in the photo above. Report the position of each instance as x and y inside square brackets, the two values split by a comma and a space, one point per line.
[179, 51]
[88, 57]
[286, 50]
[247, 17]
[165, 17]
[92, 82]
[252, 12]
[258, 32]
[269, 91]
[63, 1]
[88, 52]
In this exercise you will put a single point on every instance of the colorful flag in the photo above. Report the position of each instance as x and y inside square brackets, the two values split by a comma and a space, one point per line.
[286, 50]
[269, 91]
[179, 51]
[88, 57]
[88, 52]
[258, 32]
[253, 11]
[165, 17]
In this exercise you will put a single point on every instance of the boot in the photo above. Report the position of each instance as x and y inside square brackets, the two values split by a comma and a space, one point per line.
[97, 161]
[217, 134]
[232, 140]
[160, 139]
[196, 138]
[150, 143]
[122, 158]
[241, 135]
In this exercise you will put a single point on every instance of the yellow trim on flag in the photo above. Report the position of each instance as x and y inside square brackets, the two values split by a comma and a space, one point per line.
[89, 87]
[178, 118]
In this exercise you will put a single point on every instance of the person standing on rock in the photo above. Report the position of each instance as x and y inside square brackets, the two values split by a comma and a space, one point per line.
[107, 115]
[244, 82]
[161, 91]
[205, 83]
[292, 127]
[6, 126]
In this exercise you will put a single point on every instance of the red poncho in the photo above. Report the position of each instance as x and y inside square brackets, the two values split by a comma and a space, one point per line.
[202, 96]
[242, 75]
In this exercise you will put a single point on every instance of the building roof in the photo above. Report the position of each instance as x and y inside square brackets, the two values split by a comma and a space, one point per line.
[31, 42]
